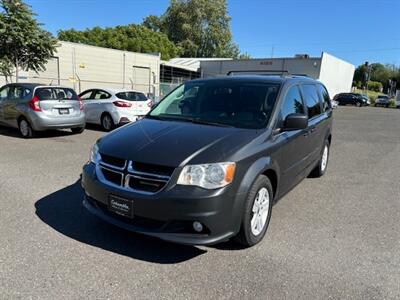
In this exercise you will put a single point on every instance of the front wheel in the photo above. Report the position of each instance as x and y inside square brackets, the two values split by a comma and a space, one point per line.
[320, 169]
[358, 104]
[257, 212]
[25, 129]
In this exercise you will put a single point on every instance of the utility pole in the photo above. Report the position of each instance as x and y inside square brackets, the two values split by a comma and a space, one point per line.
[272, 51]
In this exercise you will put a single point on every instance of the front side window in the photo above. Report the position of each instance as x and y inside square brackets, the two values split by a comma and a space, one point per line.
[292, 104]
[237, 104]
[101, 95]
[4, 93]
[86, 95]
[312, 100]
[326, 101]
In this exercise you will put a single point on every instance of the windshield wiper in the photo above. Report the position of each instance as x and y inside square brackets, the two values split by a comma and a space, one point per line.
[204, 122]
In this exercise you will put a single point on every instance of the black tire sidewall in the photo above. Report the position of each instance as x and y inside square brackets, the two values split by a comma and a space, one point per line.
[247, 238]
[30, 130]
[102, 122]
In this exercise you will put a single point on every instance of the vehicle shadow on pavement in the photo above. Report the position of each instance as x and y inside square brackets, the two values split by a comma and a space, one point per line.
[12, 132]
[63, 211]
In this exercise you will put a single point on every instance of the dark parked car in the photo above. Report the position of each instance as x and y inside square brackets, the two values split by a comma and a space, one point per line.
[351, 98]
[382, 100]
[207, 163]
[35, 107]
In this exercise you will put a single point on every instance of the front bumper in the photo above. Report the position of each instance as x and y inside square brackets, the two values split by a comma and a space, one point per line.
[170, 213]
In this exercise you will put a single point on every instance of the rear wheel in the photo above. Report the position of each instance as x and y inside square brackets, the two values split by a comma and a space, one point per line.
[77, 130]
[25, 129]
[107, 122]
[320, 169]
[257, 212]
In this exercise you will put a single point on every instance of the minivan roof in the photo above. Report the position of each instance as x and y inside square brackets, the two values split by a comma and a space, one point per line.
[257, 78]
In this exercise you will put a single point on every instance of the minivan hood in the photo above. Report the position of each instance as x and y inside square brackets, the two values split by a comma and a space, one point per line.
[175, 143]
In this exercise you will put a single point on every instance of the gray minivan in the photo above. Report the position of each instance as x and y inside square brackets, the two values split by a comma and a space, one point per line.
[208, 161]
[35, 107]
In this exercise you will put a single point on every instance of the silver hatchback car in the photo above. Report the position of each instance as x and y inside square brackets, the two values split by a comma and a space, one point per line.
[34, 107]
[111, 107]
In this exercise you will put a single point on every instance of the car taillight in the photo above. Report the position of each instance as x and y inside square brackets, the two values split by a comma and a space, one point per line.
[80, 103]
[122, 104]
[34, 104]
[150, 104]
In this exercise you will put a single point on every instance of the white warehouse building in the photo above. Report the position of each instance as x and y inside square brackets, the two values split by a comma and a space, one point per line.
[83, 66]
[334, 73]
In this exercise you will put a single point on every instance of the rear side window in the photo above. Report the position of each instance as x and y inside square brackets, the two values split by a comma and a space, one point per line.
[293, 104]
[55, 93]
[18, 92]
[326, 101]
[132, 96]
[312, 100]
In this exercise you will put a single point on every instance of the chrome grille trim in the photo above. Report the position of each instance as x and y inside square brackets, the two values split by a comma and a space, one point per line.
[128, 172]
[131, 170]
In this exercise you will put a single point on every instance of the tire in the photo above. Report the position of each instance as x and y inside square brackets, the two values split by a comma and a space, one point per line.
[358, 104]
[107, 122]
[25, 129]
[77, 130]
[322, 166]
[250, 235]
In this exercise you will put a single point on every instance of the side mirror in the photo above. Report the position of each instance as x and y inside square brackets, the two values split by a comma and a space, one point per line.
[295, 122]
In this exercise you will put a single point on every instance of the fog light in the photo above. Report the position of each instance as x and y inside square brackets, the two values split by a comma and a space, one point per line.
[197, 226]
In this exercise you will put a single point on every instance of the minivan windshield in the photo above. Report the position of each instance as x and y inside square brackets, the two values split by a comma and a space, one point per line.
[55, 93]
[220, 103]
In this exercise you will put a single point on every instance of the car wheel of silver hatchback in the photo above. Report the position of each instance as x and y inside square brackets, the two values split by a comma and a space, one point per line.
[25, 128]
[257, 212]
[107, 122]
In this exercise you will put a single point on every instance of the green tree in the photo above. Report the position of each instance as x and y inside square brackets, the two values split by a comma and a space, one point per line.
[6, 68]
[23, 43]
[201, 28]
[131, 37]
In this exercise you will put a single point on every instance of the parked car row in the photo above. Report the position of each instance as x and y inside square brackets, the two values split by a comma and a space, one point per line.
[33, 107]
[352, 99]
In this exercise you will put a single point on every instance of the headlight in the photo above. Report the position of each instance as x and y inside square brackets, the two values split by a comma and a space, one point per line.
[208, 176]
[94, 154]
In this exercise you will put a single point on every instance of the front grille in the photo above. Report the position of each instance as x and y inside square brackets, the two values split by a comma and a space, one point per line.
[137, 176]
[152, 169]
[112, 176]
[113, 161]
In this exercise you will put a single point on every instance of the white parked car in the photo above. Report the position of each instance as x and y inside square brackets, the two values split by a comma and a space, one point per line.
[334, 103]
[110, 107]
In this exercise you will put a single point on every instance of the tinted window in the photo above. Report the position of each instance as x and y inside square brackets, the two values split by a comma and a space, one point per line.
[56, 93]
[101, 95]
[18, 92]
[132, 96]
[326, 101]
[4, 93]
[312, 100]
[292, 104]
[238, 104]
[86, 95]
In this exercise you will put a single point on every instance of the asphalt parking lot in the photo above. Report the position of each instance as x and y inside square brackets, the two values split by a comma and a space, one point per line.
[335, 237]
